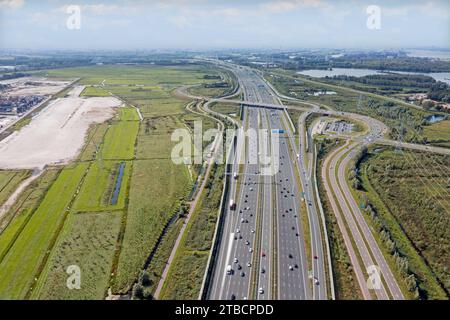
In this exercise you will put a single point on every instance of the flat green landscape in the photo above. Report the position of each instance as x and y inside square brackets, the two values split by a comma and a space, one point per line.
[94, 92]
[9, 180]
[111, 243]
[23, 261]
[409, 193]
[438, 133]
[97, 190]
[88, 240]
[119, 141]
[157, 188]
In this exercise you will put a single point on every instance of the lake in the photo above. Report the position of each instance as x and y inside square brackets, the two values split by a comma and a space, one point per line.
[441, 76]
[435, 119]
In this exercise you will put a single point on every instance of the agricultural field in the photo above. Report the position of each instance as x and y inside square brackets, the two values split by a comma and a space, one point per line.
[128, 114]
[119, 141]
[98, 187]
[94, 92]
[148, 88]
[438, 133]
[157, 188]
[88, 240]
[9, 180]
[40, 237]
[400, 187]
[23, 261]
[93, 142]
[21, 211]
[154, 138]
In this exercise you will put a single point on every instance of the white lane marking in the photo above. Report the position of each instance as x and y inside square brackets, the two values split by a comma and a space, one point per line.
[230, 244]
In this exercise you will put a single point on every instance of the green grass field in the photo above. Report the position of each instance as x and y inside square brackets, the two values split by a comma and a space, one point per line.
[438, 133]
[88, 240]
[93, 142]
[98, 187]
[154, 138]
[119, 141]
[9, 180]
[94, 92]
[18, 215]
[128, 114]
[156, 187]
[23, 261]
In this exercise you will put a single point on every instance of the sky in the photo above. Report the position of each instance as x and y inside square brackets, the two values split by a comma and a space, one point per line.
[219, 24]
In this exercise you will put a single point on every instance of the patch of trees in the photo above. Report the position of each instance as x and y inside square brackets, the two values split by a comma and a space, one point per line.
[217, 85]
[391, 62]
[211, 77]
[353, 175]
[392, 82]
[401, 262]
[439, 91]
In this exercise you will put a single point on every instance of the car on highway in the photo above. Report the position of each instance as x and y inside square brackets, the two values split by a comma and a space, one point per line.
[229, 270]
[261, 291]
[249, 264]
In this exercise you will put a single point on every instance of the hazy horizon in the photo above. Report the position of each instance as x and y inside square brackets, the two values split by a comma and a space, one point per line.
[208, 25]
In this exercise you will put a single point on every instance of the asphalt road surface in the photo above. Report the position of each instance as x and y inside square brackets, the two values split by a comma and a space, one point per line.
[262, 239]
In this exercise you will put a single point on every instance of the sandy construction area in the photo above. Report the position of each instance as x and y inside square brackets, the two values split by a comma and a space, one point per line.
[57, 134]
[33, 86]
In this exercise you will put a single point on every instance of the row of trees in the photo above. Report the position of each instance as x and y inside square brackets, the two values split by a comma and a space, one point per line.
[401, 261]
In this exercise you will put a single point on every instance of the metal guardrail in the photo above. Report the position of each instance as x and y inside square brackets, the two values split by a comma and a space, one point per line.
[211, 265]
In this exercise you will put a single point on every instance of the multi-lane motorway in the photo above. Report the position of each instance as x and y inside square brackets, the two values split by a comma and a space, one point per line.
[262, 252]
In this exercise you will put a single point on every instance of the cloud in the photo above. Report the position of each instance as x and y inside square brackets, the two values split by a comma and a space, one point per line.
[292, 5]
[429, 8]
[11, 4]
[180, 22]
[95, 9]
